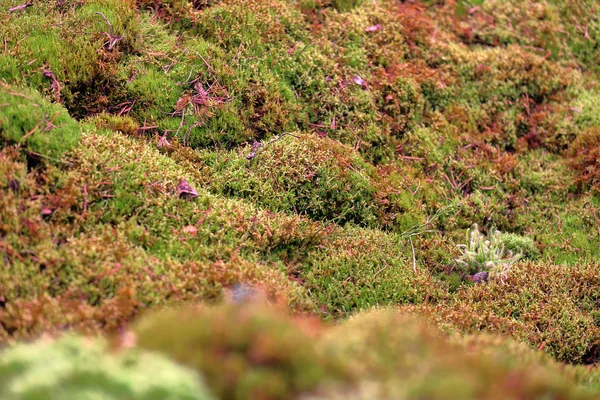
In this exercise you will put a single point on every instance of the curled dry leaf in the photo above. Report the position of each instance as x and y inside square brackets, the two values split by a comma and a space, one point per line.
[163, 142]
[56, 88]
[185, 191]
[359, 81]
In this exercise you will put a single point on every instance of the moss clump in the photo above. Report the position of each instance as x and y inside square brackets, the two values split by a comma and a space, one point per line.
[43, 129]
[244, 352]
[520, 244]
[361, 268]
[74, 60]
[117, 123]
[307, 175]
[401, 357]
[584, 154]
[346, 5]
[334, 153]
[553, 27]
[548, 306]
[222, 80]
[74, 368]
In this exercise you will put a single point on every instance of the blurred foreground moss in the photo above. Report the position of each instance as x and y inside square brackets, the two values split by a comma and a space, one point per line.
[244, 351]
[251, 351]
[75, 368]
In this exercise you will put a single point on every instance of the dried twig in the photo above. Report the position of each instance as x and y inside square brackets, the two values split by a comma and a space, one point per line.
[20, 7]
[107, 21]
[112, 38]
[413, 254]
[380, 271]
[56, 88]
[31, 132]
[85, 200]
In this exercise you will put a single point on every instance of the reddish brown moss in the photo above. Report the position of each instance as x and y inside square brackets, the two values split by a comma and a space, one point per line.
[584, 158]
[551, 307]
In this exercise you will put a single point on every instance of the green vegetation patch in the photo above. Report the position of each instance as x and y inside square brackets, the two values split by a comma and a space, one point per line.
[43, 129]
[72, 368]
[306, 175]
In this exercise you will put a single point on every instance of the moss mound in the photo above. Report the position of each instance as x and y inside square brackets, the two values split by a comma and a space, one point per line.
[43, 129]
[251, 350]
[402, 357]
[76, 368]
[329, 154]
[550, 307]
[244, 351]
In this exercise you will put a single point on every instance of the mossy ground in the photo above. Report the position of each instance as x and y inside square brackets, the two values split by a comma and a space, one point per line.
[337, 152]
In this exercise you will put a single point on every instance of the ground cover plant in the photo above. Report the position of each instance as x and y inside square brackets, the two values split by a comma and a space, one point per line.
[312, 199]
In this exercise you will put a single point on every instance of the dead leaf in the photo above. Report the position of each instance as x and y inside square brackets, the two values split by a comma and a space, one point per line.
[163, 142]
[359, 81]
[185, 191]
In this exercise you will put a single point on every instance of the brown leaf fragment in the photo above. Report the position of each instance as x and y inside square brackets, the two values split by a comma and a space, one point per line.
[163, 142]
[373, 28]
[185, 191]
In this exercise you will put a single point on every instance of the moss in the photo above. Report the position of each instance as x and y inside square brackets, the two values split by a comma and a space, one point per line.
[361, 268]
[584, 158]
[102, 214]
[550, 307]
[43, 129]
[71, 60]
[245, 352]
[520, 244]
[73, 367]
[403, 358]
[551, 27]
[335, 153]
[346, 5]
[307, 175]
[123, 124]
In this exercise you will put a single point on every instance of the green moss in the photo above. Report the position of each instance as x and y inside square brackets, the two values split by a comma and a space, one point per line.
[30, 120]
[551, 26]
[122, 124]
[387, 128]
[346, 5]
[77, 51]
[362, 268]
[307, 175]
[520, 244]
[75, 368]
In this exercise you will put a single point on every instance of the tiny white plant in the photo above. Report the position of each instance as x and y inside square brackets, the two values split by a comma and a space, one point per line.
[487, 254]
